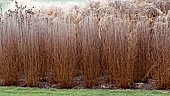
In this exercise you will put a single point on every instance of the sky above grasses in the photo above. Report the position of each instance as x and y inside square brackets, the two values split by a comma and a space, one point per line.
[5, 3]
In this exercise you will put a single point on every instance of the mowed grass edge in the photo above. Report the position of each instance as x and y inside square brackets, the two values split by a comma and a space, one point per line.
[26, 91]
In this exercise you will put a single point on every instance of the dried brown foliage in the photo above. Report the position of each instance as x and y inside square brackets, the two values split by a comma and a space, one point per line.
[123, 42]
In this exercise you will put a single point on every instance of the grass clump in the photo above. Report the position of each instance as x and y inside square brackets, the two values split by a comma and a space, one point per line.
[118, 43]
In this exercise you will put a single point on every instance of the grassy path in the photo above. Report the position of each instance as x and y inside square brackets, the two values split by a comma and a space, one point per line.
[18, 91]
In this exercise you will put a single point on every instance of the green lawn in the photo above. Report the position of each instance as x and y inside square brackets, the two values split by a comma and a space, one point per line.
[18, 91]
